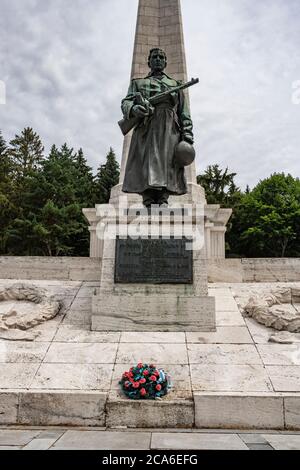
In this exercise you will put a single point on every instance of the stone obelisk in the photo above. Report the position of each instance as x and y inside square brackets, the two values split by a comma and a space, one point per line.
[159, 24]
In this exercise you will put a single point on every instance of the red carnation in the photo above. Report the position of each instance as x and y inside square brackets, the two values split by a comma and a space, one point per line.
[135, 384]
[156, 373]
[142, 381]
[146, 372]
[140, 365]
[158, 387]
[153, 378]
[143, 392]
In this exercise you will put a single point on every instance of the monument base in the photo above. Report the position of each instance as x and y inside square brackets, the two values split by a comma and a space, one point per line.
[150, 312]
[154, 283]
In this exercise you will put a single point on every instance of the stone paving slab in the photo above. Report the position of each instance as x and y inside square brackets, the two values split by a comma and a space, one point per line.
[223, 354]
[223, 335]
[253, 438]
[17, 375]
[280, 354]
[260, 447]
[259, 333]
[10, 447]
[101, 440]
[230, 378]
[284, 378]
[73, 376]
[152, 337]
[226, 303]
[71, 333]
[22, 351]
[81, 353]
[16, 437]
[78, 317]
[283, 441]
[229, 318]
[46, 331]
[40, 444]
[197, 441]
[175, 353]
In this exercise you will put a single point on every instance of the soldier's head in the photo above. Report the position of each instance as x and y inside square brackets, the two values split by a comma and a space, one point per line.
[157, 60]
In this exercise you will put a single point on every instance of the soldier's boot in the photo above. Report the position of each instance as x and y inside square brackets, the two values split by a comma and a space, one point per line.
[163, 199]
[148, 198]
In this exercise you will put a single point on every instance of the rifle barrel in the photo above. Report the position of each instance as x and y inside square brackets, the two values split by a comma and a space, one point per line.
[174, 90]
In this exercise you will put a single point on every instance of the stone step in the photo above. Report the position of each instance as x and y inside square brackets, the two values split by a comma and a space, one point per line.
[176, 410]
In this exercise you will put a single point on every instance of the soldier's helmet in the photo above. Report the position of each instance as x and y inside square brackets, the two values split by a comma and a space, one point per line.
[184, 154]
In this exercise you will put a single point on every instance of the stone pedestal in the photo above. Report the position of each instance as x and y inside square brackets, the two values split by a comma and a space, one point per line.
[153, 306]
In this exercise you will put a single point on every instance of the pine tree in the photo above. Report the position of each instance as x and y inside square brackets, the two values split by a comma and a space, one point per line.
[26, 151]
[8, 211]
[2, 145]
[107, 176]
[219, 186]
[5, 163]
[54, 223]
[85, 179]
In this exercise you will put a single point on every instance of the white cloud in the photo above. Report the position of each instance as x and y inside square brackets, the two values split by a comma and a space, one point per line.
[2, 92]
[247, 56]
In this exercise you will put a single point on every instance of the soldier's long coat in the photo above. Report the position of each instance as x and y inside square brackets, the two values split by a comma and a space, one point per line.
[150, 162]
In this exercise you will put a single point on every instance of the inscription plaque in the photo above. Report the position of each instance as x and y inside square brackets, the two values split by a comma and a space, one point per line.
[153, 261]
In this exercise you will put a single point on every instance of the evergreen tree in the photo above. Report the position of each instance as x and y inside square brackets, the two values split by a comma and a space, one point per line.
[26, 151]
[85, 180]
[4, 200]
[54, 224]
[2, 145]
[7, 209]
[219, 186]
[5, 163]
[107, 176]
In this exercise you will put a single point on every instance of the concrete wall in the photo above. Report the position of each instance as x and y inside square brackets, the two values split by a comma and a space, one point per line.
[88, 269]
[52, 268]
[254, 270]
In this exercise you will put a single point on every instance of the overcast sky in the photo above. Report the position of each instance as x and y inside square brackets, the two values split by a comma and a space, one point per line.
[66, 66]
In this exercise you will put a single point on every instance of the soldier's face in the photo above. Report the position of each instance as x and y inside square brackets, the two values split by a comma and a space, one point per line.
[157, 61]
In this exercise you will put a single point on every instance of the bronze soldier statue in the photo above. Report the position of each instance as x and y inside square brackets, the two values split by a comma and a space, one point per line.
[152, 169]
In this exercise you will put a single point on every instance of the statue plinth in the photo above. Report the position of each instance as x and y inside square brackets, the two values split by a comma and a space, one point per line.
[158, 299]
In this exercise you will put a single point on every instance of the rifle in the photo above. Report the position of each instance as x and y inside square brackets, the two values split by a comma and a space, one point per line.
[127, 124]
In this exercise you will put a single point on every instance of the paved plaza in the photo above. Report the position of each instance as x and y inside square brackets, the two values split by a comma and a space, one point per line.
[63, 373]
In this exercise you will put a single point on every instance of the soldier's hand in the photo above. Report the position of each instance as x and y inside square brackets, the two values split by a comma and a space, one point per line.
[188, 138]
[140, 111]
